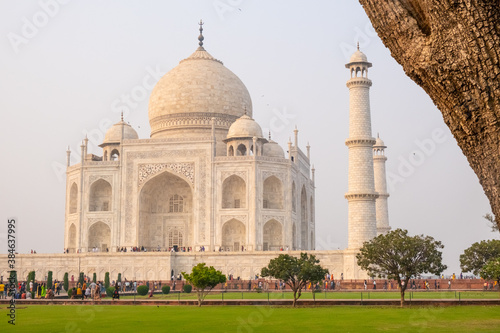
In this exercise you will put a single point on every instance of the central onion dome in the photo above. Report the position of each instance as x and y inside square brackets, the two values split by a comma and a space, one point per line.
[195, 91]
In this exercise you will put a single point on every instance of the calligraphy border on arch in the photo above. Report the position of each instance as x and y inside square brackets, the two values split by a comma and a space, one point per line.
[148, 170]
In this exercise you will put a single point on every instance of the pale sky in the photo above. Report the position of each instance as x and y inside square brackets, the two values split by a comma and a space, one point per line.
[66, 71]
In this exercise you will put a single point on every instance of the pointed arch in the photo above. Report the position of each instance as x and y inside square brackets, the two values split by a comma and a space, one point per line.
[72, 238]
[165, 211]
[272, 236]
[99, 236]
[303, 219]
[100, 196]
[233, 235]
[294, 198]
[311, 209]
[272, 193]
[114, 155]
[234, 192]
[73, 198]
[230, 151]
[242, 150]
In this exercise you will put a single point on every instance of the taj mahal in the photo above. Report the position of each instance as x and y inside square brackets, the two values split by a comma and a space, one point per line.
[209, 186]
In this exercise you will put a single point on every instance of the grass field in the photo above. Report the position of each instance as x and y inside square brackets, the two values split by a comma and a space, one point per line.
[333, 295]
[122, 319]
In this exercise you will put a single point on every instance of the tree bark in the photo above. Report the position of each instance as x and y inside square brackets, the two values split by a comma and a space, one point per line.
[451, 49]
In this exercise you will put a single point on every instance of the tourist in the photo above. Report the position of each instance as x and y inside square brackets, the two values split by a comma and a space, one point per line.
[93, 286]
[44, 291]
[116, 294]
[87, 292]
[50, 294]
[449, 284]
[28, 294]
[364, 284]
[374, 284]
[79, 293]
[2, 289]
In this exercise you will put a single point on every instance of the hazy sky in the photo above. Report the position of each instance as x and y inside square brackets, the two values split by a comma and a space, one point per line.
[66, 70]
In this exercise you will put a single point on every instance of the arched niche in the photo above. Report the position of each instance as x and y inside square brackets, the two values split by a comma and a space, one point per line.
[100, 196]
[272, 193]
[72, 238]
[233, 235]
[303, 219]
[73, 198]
[234, 192]
[165, 205]
[99, 236]
[272, 236]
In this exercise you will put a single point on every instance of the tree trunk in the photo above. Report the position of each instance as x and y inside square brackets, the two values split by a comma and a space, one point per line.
[402, 297]
[451, 49]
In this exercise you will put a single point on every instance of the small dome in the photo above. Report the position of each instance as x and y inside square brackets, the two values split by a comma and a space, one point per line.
[358, 56]
[273, 149]
[379, 143]
[244, 127]
[114, 134]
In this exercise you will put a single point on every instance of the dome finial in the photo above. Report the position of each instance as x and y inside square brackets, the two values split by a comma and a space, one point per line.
[269, 135]
[200, 37]
[358, 45]
[122, 116]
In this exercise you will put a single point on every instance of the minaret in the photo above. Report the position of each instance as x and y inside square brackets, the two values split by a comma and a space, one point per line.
[379, 159]
[361, 193]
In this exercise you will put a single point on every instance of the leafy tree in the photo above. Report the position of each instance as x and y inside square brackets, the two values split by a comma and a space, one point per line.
[119, 279]
[81, 279]
[49, 280]
[450, 49]
[478, 254]
[66, 281]
[94, 277]
[397, 256]
[295, 272]
[106, 280]
[204, 279]
[491, 271]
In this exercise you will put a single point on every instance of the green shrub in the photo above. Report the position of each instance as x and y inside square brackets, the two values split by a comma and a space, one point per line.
[142, 290]
[66, 282]
[106, 280]
[70, 292]
[259, 290]
[165, 289]
[110, 291]
[187, 288]
[94, 277]
[49, 280]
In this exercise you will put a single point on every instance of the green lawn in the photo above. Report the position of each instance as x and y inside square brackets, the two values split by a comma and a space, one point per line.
[251, 319]
[333, 295]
